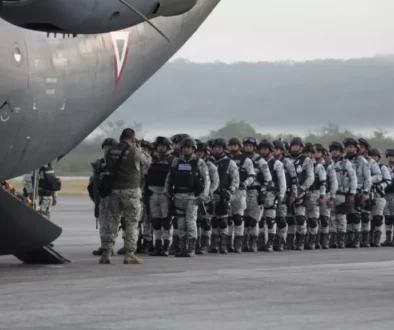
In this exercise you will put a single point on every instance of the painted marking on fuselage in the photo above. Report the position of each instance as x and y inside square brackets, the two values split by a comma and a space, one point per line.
[4, 120]
[121, 44]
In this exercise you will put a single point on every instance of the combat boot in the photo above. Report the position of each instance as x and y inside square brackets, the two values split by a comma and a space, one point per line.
[191, 244]
[376, 238]
[342, 240]
[131, 258]
[223, 244]
[182, 248]
[349, 239]
[98, 252]
[204, 245]
[290, 242]
[238, 244]
[230, 243]
[252, 243]
[311, 241]
[300, 242]
[157, 250]
[269, 247]
[388, 241]
[245, 244]
[279, 244]
[166, 248]
[105, 257]
[356, 240]
[121, 251]
[318, 240]
[214, 244]
[306, 241]
[261, 242]
[333, 240]
[175, 245]
[148, 246]
[198, 244]
[324, 241]
[365, 239]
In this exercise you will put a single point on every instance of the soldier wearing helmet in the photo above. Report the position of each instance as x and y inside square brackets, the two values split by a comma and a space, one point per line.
[204, 227]
[379, 200]
[158, 201]
[257, 196]
[188, 185]
[275, 195]
[176, 140]
[389, 209]
[364, 185]
[291, 194]
[247, 176]
[305, 174]
[229, 183]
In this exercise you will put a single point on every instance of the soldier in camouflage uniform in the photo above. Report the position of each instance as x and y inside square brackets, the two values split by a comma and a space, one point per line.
[364, 185]
[247, 176]
[380, 188]
[275, 196]
[204, 227]
[258, 196]
[389, 209]
[127, 163]
[188, 184]
[291, 194]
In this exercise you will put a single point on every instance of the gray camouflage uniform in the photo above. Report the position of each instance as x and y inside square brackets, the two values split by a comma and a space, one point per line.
[331, 190]
[389, 209]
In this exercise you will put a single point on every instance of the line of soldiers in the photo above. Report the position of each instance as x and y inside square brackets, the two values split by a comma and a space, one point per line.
[248, 196]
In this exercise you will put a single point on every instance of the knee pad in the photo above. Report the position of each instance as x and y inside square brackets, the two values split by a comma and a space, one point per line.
[175, 223]
[238, 220]
[206, 224]
[300, 220]
[262, 222]
[253, 222]
[270, 223]
[353, 218]
[312, 222]
[281, 222]
[166, 223]
[290, 220]
[365, 217]
[324, 221]
[156, 223]
[230, 221]
[223, 223]
[377, 220]
[215, 223]
[247, 221]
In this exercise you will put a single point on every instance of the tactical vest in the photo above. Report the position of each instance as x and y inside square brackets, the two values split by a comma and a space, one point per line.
[259, 175]
[158, 172]
[390, 187]
[316, 182]
[289, 181]
[301, 173]
[240, 161]
[328, 182]
[185, 177]
[271, 165]
[224, 177]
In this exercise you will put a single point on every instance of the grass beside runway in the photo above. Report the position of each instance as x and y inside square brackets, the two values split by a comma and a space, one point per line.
[69, 187]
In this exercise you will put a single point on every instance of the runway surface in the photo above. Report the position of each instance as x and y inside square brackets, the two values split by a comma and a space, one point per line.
[335, 289]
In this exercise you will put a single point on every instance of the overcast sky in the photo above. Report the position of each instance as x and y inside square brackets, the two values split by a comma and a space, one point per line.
[270, 30]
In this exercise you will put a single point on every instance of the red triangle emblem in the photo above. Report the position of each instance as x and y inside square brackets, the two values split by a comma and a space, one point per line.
[121, 43]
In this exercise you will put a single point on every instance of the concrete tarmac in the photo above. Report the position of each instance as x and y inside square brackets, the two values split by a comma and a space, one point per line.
[335, 289]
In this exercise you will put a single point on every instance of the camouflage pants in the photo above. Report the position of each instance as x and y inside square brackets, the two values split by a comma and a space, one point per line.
[146, 225]
[186, 213]
[124, 203]
[297, 220]
[313, 211]
[45, 206]
[238, 207]
[377, 213]
[389, 212]
[101, 219]
[253, 213]
[219, 217]
[269, 214]
[161, 222]
[281, 212]
[338, 221]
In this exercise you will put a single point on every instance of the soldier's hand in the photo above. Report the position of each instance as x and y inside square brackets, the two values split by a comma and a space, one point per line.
[330, 203]
[227, 195]
[203, 198]
[291, 199]
[321, 201]
[349, 199]
[242, 186]
[54, 201]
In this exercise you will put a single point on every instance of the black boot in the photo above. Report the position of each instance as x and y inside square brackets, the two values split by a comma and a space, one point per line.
[157, 250]
[121, 251]
[204, 245]
[238, 244]
[333, 240]
[198, 245]
[214, 244]
[252, 243]
[356, 240]
[98, 252]
[175, 245]
[306, 241]
[245, 244]
[166, 248]
[365, 240]
[279, 244]
[300, 242]
[388, 241]
[223, 244]
[261, 242]
[349, 239]
[342, 240]
[191, 244]
[230, 243]
[376, 238]
[324, 241]
[181, 248]
[290, 242]
[318, 243]
[269, 247]
[311, 241]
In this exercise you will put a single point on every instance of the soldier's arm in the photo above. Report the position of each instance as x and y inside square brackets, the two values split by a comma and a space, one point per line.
[265, 171]
[332, 176]
[352, 177]
[234, 176]
[168, 183]
[145, 162]
[280, 172]
[310, 176]
[376, 173]
[322, 175]
[386, 177]
[367, 177]
[204, 172]
[293, 176]
[214, 176]
[249, 168]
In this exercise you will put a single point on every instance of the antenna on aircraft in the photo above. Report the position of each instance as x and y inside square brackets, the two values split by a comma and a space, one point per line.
[146, 19]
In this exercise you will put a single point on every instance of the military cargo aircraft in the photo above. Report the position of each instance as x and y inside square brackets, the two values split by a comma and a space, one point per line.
[65, 66]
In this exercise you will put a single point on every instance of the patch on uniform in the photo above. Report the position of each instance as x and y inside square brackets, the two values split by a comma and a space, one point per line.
[185, 167]
[265, 166]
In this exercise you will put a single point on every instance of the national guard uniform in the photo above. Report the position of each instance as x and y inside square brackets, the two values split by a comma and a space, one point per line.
[306, 177]
[389, 209]
[229, 183]
[258, 197]
[291, 194]
[276, 194]
[364, 185]
[160, 214]
[247, 176]
[188, 184]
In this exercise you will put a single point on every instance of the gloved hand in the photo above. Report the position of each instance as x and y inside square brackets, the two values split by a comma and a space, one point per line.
[330, 203]
[349, 199]
[291, 199]
[227, 194]
[321, 201]
[261, 198]
[203, 198]
[363, 199]
[242, 186]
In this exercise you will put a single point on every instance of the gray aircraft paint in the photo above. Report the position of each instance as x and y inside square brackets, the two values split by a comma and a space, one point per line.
[55, 89]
